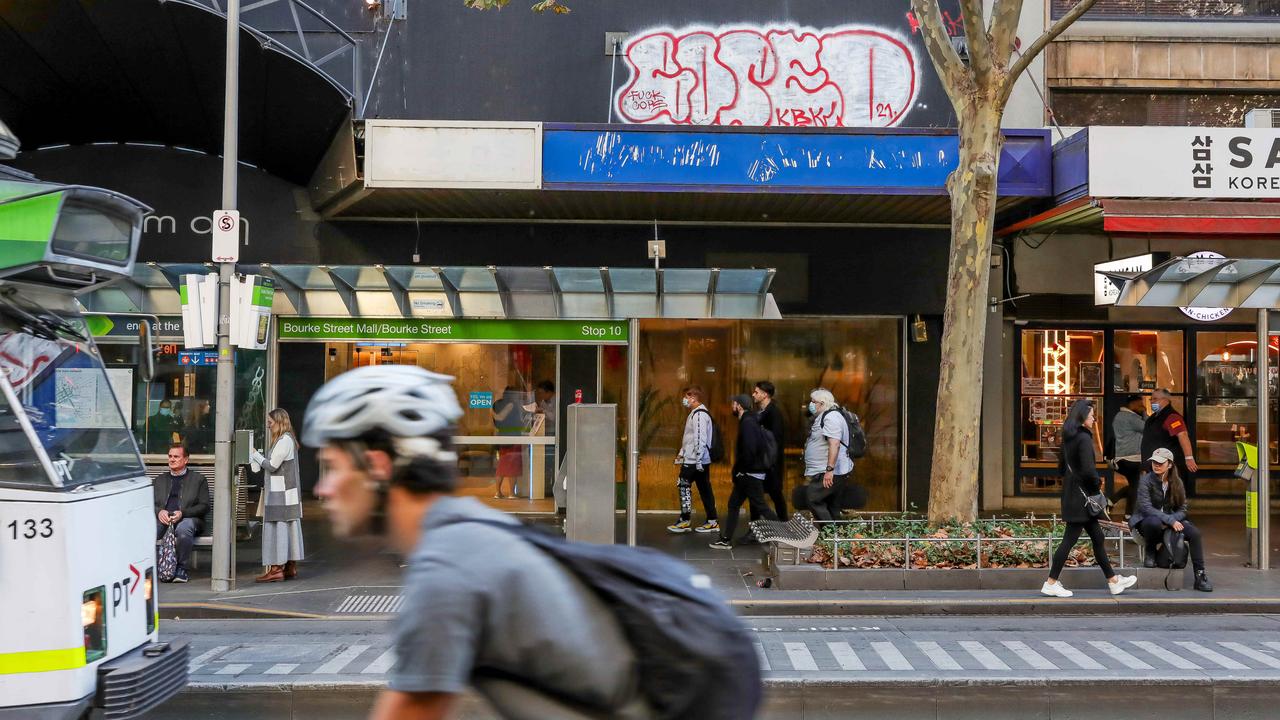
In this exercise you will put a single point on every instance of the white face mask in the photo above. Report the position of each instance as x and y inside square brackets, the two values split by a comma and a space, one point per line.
[684, 401]
[813, 408]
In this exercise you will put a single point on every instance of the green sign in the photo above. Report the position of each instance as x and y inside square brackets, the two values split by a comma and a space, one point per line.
[166, 326]
[450, 330]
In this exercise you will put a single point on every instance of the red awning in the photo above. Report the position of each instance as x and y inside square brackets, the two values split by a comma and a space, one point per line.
[1165, 217]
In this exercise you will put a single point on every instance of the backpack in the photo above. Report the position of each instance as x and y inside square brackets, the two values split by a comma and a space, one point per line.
[167, 556]
[1173, 550]
[768, 447]
[694, 656]
[716, 448]
[856, 448]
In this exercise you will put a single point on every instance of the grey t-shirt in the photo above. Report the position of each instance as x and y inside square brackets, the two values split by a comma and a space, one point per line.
[815, 447]
[480, 597]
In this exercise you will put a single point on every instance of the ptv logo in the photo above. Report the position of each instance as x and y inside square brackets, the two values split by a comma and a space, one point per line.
[121, 590]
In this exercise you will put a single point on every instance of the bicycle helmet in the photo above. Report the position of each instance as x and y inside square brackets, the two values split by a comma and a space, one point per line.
[399, 400]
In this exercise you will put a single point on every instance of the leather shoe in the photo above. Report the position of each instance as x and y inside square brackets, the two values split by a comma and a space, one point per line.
[1149, 561]
[275, 573]
[291, 570]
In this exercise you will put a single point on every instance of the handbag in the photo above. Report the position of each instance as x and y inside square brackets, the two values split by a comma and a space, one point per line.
[167, 556]
[1095, 505]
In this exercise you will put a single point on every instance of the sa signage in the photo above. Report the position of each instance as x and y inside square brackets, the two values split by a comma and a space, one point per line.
[1184, 162]
[226, 236]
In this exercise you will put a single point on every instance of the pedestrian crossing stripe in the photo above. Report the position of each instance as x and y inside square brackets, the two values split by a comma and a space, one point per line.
[1004, 657]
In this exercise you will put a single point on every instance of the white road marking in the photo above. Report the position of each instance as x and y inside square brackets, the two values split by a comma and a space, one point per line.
[984, 656]
[1029, 656]
[939, 657]
[382, 664]
[1165, 654]
[343, 659]
[1068, 651]
[845, 655]
[764, 659]
[889, 653]
[204, 657]
[1213, 656]
[233, 669]
[281, 669]
[1121, 656]
[1252, 654]
[801, 658]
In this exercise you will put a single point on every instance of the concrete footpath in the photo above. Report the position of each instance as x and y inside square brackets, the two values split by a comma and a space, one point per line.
[1030, 668]
[358, 579]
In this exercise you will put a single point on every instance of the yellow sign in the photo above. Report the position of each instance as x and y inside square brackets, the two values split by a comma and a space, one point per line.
[1251, 510]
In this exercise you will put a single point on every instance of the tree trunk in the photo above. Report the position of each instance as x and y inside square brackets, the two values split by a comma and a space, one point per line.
[953, 488]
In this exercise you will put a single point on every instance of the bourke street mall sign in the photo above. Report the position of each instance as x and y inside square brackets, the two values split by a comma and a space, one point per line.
[1184, 162]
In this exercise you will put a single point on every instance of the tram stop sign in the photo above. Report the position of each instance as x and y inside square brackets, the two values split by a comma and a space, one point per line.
[226, 236]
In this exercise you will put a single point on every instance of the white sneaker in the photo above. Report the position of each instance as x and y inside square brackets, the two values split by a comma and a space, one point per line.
[1122, 583]
[1055, 590]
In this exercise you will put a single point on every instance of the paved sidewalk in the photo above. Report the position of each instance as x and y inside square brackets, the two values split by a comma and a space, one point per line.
[360, 579]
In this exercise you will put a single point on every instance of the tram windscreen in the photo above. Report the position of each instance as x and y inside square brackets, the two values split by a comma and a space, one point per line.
[59, 381]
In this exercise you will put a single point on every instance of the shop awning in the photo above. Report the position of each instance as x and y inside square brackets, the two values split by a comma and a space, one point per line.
[471, 292]
[1202, 282]
[1168, 217]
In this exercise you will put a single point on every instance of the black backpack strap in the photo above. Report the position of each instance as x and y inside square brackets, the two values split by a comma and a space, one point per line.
[836, 410]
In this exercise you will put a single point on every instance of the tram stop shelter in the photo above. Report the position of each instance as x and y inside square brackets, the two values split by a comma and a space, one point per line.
[1228, 283]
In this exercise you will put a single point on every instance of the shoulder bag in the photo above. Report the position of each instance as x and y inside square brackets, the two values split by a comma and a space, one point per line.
[1095, 505]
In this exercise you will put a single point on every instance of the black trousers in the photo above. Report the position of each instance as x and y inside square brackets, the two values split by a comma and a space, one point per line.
[824, 502]
[773, 488]
[751, 490]
[1152, 531]
[1132, 472]
[1069, 539]
[690, 474]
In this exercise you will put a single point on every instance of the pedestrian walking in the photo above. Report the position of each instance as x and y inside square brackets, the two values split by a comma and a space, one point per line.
[524, 625]
[282, 508]
[1162, 505]
[1124, 448]
[695, 464]
[752, 457]
[1081, 486]
[1166, 428]
[826, 463]
[772, 421]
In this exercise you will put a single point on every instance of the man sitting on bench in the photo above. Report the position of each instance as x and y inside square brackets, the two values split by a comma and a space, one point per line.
[181, 500]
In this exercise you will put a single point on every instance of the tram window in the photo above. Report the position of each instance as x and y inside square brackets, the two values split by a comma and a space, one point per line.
[87, 231]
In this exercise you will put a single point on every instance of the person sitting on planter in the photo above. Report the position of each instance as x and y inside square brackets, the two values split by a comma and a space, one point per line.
[1162, 503]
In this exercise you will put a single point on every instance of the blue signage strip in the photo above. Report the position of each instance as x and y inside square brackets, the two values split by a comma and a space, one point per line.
[846, 162]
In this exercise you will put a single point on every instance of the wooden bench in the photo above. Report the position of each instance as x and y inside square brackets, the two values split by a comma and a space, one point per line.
[243, 523]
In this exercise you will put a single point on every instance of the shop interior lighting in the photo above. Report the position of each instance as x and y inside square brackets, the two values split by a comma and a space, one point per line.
[1057, 363]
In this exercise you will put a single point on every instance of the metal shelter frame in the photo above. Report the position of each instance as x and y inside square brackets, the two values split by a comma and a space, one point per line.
[1237, 283]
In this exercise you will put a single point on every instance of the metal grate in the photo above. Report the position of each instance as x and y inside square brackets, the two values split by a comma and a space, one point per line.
[370, 604]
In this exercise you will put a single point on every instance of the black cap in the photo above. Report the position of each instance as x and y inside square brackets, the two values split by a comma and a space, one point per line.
[1132, 397]
[743, 400]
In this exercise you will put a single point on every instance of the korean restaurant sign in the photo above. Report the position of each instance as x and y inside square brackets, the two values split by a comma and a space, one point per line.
[433, 330]
[1184, 162]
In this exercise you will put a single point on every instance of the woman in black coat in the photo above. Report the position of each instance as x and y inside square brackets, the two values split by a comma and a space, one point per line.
[1080, 479]
[1162, 503]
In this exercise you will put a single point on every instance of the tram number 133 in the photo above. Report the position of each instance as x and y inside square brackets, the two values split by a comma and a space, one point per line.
[30, 529]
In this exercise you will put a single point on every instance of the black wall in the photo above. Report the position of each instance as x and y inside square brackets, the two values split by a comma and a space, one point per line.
[447, 62]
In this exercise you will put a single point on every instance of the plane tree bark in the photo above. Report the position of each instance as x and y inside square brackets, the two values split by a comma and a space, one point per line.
[979, 91]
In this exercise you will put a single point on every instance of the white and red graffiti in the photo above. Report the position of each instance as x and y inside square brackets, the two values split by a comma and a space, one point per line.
[847, 76]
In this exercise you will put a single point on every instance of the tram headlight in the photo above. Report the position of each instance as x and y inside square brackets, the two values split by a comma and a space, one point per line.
[94, 621]
[148, 587]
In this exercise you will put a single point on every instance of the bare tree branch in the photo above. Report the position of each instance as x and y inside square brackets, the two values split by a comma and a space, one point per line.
[943, 54]
[1004, 29]
[975, 32]
[1054, 31]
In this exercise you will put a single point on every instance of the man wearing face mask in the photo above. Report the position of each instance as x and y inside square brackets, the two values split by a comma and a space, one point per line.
[695, 464]
[750, 466]
[1166, 428]
[826, 464]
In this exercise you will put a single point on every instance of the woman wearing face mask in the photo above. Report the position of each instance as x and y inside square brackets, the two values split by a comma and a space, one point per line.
[1162, 504]
[1079, 480]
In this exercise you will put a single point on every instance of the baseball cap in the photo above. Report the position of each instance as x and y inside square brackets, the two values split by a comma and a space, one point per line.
[743, 400]
[1161, 455]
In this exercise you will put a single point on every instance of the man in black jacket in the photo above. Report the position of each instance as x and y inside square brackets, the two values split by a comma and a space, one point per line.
[750, 466]
[771, 420]
[181, 501]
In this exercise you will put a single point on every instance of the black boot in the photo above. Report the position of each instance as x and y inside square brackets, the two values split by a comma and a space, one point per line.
[1202, 582]
[1149, 557]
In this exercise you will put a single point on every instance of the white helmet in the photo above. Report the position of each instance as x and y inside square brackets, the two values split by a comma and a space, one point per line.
[401, 400]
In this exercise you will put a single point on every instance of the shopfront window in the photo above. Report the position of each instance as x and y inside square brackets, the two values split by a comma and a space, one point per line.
[1226, 402]
[1059, 366]
[1148, 359]
[858, 359]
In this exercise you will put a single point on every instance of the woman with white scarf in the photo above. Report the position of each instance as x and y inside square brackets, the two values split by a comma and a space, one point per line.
[282, 507]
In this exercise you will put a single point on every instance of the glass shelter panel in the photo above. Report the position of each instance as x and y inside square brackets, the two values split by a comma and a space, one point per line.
[1226, 403]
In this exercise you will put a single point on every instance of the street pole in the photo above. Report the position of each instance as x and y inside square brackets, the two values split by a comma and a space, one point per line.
[224, 542]
[633, 425]
[1262, 548]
